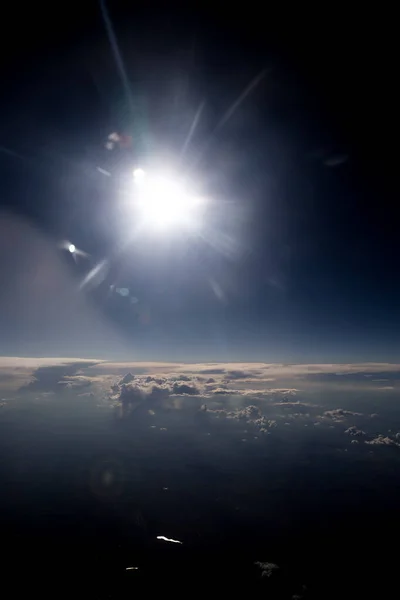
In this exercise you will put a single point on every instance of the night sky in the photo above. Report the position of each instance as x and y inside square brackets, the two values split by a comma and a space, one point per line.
[300, 260]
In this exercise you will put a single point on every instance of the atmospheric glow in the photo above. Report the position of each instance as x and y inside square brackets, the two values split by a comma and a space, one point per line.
[164, 201]
[71, 248]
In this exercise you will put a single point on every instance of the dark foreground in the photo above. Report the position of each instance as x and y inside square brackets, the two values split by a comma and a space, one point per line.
[85, 495]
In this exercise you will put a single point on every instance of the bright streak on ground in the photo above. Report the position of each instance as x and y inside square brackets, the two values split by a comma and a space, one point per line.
[72, 248]
[164, 201]
[162, 537]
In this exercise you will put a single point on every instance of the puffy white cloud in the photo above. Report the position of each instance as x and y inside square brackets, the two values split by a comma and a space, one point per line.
[382, 440]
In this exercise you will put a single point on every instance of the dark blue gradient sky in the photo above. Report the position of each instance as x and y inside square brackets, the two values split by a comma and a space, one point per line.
[299, 260]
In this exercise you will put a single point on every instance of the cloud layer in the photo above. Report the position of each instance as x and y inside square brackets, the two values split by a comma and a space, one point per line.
[264, 398]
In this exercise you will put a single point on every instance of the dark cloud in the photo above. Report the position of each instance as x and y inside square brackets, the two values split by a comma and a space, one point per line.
[52, 378]
[184, 388]
[131, 396]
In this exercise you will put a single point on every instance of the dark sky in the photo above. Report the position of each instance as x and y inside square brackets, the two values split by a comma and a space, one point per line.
[300, 260]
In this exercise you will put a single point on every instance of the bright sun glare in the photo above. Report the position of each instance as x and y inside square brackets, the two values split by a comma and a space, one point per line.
[163, 201]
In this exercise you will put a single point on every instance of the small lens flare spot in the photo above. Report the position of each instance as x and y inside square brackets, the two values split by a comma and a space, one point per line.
[72, 248]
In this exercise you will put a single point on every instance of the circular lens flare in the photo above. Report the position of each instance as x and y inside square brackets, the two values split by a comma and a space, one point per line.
[72, 248]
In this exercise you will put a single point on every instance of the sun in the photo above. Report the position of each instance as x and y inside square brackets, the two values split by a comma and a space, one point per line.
[164, 201]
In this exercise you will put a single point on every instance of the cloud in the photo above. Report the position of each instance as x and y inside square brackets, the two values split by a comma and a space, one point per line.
[258, 393]
[284, 403]
[267, 568]
[143, 389]
[16, 373]
[147, 391]
[354, 431]
[180, 377]
[158, 380]
[126, 379]
[222, 391]
[129, 397]
[250, 414]
[55, 377]
[185, 388]
[219, 371]
[18, 362]
[264, 424]
[182, 386]
[382, 440]
[258, 376]
[242, 374]
[386, 388]
[339, 414]
[258, 370]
